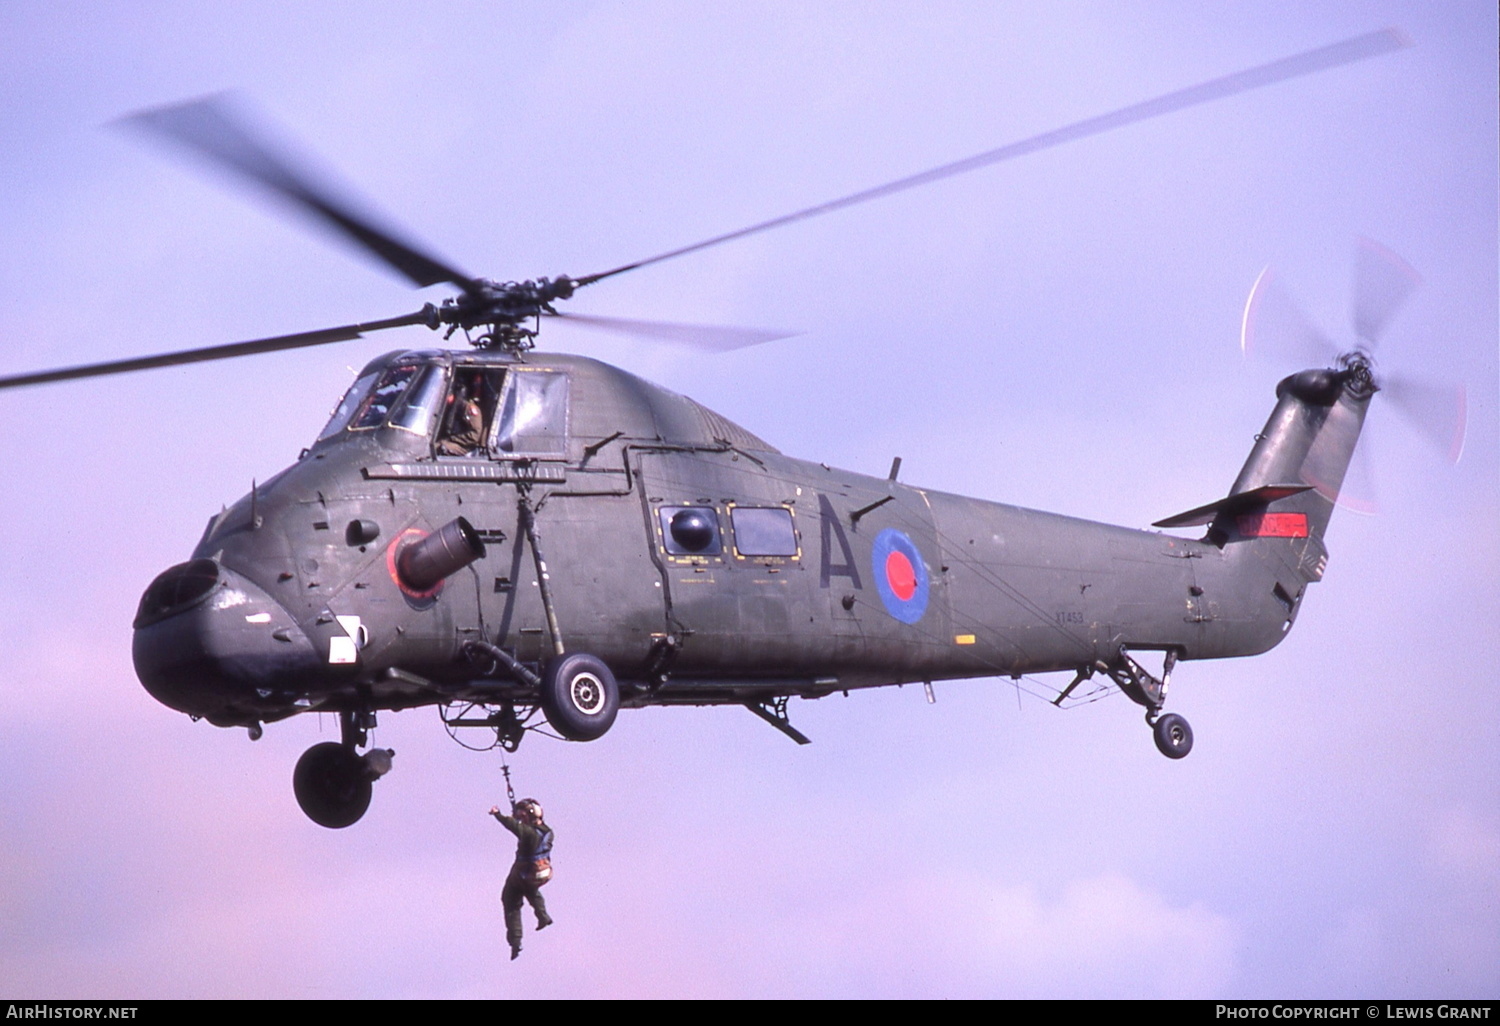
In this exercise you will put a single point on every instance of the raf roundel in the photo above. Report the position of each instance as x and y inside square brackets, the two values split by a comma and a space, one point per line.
[900, 575]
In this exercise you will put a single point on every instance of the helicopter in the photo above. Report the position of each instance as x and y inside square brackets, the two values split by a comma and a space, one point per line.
[403, 560]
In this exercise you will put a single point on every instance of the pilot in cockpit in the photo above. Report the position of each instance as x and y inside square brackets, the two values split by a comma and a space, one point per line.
[463, 423]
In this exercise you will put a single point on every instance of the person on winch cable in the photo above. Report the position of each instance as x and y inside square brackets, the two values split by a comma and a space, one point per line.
[532, 868]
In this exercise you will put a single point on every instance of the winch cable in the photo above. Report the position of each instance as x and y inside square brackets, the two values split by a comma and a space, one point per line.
[510, 792]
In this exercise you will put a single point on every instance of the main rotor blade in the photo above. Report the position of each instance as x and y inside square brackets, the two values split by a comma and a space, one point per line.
[222, 352]
[1382, 284]
[1358, 48]
[212, 128]
[710, 337]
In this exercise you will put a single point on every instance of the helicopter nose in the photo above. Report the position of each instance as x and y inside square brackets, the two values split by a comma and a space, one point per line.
[210, 643]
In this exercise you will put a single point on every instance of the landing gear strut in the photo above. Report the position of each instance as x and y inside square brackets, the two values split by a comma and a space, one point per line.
[578, 692]
[333, 782]
[1174, 738]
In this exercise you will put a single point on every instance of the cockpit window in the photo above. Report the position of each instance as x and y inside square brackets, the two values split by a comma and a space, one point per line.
[470, 411]
[423, 402]
[533, 415]
[347, 406]
[387, 390]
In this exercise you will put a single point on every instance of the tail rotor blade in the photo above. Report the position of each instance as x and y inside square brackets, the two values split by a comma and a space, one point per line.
[1275, 327]
[1383, 282]
[1360, 492]
[1439, 411]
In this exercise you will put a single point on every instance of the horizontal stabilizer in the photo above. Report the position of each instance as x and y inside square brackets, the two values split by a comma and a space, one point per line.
[1237, 503]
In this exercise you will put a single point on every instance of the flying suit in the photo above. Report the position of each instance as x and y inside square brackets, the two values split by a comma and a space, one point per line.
[532, 842]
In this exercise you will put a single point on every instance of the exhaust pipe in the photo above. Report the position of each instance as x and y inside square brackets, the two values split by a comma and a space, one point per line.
[423, 565]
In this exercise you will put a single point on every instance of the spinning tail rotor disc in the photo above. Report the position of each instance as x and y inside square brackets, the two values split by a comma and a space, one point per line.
[1275, 327]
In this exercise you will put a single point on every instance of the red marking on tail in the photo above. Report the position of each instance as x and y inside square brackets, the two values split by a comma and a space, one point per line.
[1272, 525]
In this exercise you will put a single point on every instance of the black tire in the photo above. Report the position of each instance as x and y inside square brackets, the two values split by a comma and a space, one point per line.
[330, 785]
[580, 697]
[1174, 738]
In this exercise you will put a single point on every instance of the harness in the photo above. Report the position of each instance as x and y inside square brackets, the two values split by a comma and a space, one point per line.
[539, 862]
[538, 865]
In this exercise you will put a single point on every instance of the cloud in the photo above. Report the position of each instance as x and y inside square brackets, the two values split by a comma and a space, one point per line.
[1098, 936]
[1468, 845]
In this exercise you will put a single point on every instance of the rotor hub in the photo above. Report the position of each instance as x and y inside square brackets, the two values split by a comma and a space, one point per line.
[509, 312]
[1358, 369]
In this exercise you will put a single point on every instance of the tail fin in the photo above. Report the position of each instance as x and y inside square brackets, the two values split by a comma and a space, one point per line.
[1271, 524]
[1288, 486]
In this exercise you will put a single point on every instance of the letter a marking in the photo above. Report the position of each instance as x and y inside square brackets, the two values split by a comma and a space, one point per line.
[832, 527]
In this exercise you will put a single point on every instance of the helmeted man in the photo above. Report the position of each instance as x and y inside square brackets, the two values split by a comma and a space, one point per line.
[463, 427]
[532, 868]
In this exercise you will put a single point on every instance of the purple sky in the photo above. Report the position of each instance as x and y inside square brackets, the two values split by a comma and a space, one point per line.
[1058, 332]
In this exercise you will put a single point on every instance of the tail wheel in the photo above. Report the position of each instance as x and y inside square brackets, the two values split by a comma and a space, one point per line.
[1174, 738]
[580, 697]
[331, 785]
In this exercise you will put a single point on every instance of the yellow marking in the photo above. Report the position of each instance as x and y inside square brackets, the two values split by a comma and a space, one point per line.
[963, 639]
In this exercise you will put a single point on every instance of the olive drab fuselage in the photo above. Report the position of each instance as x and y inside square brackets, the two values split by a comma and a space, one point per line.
[697, 562]
[504, 534]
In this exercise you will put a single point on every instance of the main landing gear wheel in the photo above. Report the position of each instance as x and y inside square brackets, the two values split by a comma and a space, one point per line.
[1174, 738]
[331, 785]
[580, 697]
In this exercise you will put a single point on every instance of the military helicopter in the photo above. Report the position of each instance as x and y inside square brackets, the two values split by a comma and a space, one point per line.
[403, 560]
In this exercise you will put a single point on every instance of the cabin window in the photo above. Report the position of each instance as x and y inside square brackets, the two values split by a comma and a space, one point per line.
[690, 530]
[351, 402]
[423, 403]
[533, 417]
[763, 531]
